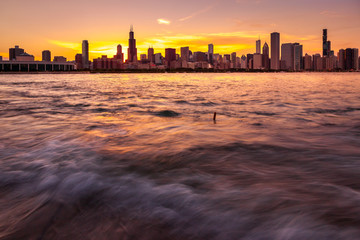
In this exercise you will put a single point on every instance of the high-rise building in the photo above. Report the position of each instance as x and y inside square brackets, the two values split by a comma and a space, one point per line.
[341, 59]
[185, 54]
[352, 59]
[158, 59]
[243, 62]
[119, 54]
[298, 55]
[275, 51]
[46, 55]
[287, 56]
[211, 53]
[14, 52]
[151, 55]
[326, 44]
[200, 57]
[132, 50]
[78, 61]
[266, 56]
[1, 58]
[85, 54]
[317, 62]
[258, 46]
[257, 61]
[170, 55]
[308, 62]
[233, 57]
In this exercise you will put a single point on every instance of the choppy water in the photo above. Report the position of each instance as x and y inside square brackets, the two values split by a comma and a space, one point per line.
[139, 156]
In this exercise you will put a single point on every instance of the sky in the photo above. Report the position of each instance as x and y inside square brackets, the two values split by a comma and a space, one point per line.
[231, 25]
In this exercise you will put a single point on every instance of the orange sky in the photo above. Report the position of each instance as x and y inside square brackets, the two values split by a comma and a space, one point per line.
[231, 25]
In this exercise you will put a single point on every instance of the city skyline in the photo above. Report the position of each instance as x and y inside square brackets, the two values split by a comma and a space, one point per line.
[233, 26]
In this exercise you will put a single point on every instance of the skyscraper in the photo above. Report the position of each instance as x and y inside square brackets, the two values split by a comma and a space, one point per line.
[326, 44]
[170, 55]
[275, 51]
[85, 54]
[151, 55]
[119, 54]
[265, 56]
[211, 53]
[14, 52]
[132, 50]
[298, 55]
[258, 46]
[185, 54]
[46, 55]
[287, 56]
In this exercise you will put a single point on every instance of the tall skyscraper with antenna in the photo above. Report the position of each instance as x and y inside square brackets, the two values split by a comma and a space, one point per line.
[132, 50]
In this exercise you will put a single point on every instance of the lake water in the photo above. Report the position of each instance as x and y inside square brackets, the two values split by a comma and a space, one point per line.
[138, 156]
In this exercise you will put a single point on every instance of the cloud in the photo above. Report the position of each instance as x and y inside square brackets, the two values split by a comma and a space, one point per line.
[328, 13]
[163, 21]
[198, 13]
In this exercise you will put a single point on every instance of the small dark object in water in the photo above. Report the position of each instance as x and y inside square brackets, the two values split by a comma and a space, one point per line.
[214, 116]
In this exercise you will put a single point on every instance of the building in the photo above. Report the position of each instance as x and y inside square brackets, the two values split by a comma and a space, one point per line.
[287, 56]
[105, 63]
[143, 57]
[308, 65]
[132, 50]
[158, 59]
[257, 61]
[46, 55]
[341, 59]
[317, 62]
[200, 57]
[185, 54]
[298, 55]
[233, 60]
[249, 61]
[35, 66]
[151, 55]
[119, 54]
[1, 58]
[258, 46]
[85, 54]
[266, 62]
[59, 59]
[326, 44]
[78, 61]
[14, 52]
[211, 53]
[170, 56]
[275, 51]
[351, 59]
[25, 57]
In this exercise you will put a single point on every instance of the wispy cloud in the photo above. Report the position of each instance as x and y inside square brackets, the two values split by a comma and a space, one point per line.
[328, 13]
[163, 21]
[197, 13]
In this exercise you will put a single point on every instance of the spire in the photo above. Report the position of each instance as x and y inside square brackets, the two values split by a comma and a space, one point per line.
[131, 28]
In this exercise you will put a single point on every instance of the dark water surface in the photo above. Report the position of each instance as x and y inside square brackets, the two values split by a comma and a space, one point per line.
[138, 156]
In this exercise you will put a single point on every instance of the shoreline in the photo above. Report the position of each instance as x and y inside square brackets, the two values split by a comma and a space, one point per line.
[169, 71]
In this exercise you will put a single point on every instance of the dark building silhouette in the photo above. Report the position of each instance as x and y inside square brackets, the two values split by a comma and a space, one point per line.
[275, 50]
[351, 59]
[46, 56]
[60, 59]
[85, 54]
[170, 55]
[326, 44]
[132, 50]
[14, 52]
[151, 55]
[266, 62]
[78, 61]
[119, 54]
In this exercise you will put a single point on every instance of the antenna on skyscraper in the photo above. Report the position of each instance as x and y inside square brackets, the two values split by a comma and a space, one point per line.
[131, 28]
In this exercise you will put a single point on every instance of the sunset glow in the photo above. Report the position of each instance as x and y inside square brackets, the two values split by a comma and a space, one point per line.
[232, 26]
